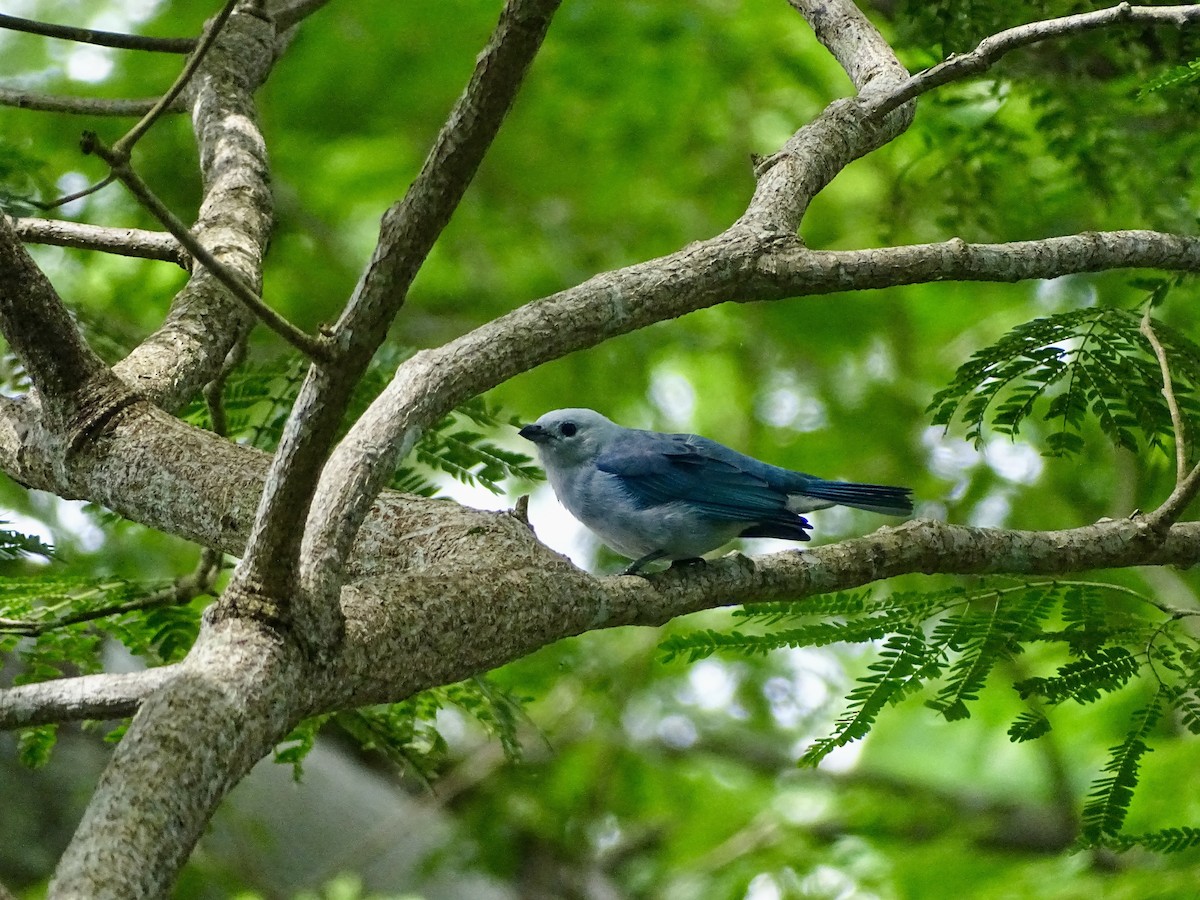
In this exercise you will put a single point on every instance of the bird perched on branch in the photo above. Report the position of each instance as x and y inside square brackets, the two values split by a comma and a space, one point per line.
[654, 496]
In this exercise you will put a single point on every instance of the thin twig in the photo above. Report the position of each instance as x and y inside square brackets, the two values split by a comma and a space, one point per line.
[123, 146]
[101, 38]
[185, 589]
[293, 15]
[1186, 483]
[134, 242]
[1168, 391]
[990, 49]
[79, 106]
[214, 391]
[312, 347]
[78, 195]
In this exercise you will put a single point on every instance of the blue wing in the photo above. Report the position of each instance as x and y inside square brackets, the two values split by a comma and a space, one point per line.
[657, 468]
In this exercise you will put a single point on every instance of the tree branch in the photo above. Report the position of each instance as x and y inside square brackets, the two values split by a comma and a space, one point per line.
[290, 15]
[134, 242]
[521, 597]
[796, 271]
[1186, 483]
[314, 348]
[84, 697]
[69, 376]
[80, 106]
[992, 48]
[814, 155]
[1168, 392]
[240, 689]
[854, 42]
[235, 219]
[101, 38]
[732, 266]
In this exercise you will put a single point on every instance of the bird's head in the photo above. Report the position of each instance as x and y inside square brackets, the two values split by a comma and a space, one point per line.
[568, 437]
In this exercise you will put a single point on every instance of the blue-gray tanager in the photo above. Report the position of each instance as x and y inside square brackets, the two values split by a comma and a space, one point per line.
[654, 496]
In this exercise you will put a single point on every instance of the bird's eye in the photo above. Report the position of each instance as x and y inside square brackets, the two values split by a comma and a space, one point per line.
[568, 429]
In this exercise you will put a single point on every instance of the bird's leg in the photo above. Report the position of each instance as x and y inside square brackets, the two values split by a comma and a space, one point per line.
[634, 567]
[688, 563]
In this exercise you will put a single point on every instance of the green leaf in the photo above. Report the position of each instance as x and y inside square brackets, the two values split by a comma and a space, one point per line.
[903, 655]
[1166, 840]
[1028, 726]
[1174, 78]
[293, 749]
[985, 640]
[35, 744]
[1106, 670]
[1083, 365]
[1111, 794]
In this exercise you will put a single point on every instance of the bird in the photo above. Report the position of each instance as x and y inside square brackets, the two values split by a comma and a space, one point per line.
[653, 496]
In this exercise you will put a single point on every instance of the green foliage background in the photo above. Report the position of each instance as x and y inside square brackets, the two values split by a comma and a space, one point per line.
[665, 763]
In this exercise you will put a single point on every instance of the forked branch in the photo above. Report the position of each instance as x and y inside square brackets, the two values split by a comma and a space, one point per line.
[992, 48]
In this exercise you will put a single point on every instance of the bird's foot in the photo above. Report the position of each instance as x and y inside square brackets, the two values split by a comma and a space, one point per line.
[635, 567]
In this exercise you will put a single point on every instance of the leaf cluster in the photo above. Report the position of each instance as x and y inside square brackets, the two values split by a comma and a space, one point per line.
[1175, 78]
[948, 644]
[1076, 366]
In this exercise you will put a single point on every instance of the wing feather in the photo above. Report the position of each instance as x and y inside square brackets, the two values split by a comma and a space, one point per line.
[659, 469]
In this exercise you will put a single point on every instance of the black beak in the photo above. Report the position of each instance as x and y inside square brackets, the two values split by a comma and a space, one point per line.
[535, 433]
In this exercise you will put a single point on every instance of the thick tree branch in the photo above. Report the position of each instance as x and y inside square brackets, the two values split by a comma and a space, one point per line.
[854, 42]
[100, 38]
[235, 219]
[75, 699]
[814, 155]
[192, 739]
[76, 387]
[135, 242]
[992, 48]
[483, 592]
[424, 634]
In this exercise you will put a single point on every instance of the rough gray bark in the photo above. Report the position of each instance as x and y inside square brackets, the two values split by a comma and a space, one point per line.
[379, 596]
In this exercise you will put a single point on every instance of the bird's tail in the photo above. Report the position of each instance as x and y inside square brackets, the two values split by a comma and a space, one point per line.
[880, 498]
